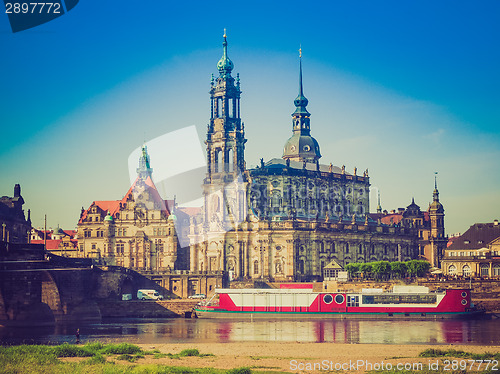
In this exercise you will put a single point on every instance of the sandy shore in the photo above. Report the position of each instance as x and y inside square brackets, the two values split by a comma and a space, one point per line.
[306, 357]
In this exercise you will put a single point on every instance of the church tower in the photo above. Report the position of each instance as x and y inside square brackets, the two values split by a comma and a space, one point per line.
[226, 135]
[301, 146]
[437, 236]
[223, 186]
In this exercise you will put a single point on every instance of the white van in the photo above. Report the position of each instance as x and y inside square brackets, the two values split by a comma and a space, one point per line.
[148, 295]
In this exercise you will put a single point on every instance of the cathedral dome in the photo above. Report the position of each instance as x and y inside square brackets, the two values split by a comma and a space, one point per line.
[302, 148]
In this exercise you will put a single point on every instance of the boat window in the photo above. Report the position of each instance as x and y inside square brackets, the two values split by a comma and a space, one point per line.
[339, 299]
[352, 300]
[327, 298]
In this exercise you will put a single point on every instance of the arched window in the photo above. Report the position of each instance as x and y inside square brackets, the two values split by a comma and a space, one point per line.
[452, 269]
[256, 267]
[466, 270]
[360, 248]
[333, 247]
[219, 107]
[230, 159]
[484, 270]
[346, 247]
[496, 270]
[230, 108]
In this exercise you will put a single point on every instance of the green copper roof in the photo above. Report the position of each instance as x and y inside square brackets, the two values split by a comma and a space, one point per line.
[225, 65]
[108, 217]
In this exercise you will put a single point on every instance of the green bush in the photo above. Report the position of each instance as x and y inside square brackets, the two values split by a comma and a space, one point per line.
[240, 371]
[122, 348]
[67, 350]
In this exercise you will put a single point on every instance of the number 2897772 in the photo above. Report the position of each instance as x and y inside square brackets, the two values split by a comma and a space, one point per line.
[33, 8]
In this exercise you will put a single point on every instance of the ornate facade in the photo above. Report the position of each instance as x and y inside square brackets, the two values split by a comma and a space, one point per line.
[475, 253]
[136, 232]
[290, 217]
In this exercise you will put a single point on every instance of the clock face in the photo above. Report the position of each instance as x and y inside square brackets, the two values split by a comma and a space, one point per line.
[275, 183]
[307, 148]
[292, 148]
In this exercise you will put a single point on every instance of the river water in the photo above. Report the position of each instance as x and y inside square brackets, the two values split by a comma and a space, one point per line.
[179, 330]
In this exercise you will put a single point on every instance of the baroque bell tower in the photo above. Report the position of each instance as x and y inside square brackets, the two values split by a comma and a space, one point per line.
[225, 134]
[223, 186]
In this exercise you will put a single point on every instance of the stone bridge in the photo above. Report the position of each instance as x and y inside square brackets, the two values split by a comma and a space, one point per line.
[39, 288]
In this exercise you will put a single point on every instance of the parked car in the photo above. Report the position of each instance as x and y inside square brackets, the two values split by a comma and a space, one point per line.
[198, 296]
[148, 295]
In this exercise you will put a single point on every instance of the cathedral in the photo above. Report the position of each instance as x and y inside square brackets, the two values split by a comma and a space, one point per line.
[284, 220]
[288, 218]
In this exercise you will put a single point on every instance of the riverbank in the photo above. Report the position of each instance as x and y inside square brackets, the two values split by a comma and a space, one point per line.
[246, 358]
[311, 357]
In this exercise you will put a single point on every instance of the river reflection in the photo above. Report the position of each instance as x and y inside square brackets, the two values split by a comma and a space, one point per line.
[155, 331]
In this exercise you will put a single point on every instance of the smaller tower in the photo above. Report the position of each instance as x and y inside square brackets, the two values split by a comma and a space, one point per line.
[301, 147]
[437, 237]
[436, 213]
[379, 207]
[144, 170]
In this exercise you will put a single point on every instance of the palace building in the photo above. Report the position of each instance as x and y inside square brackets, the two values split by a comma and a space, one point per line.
[290, 217]
[137, 231]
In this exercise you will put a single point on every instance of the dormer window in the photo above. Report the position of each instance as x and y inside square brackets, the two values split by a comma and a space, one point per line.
[466, 242]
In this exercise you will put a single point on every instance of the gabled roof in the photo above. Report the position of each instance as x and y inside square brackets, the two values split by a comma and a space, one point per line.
[333, 265]
[477, 236]
[113, 206]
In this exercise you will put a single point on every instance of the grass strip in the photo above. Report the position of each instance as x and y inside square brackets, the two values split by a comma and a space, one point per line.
[42, 359]
[432, 352]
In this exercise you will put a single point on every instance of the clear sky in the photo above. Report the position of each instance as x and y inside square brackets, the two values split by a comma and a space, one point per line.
[401, 88]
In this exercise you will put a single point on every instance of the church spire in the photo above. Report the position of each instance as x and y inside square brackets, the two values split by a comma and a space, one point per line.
[144, 170]
[301, 147]
[379, 207]
[301, 101]
[435, 194]
[225, 65]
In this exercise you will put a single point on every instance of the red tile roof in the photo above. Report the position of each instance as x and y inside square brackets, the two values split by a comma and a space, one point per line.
[393, 218]
[113, 206]
[53, 244]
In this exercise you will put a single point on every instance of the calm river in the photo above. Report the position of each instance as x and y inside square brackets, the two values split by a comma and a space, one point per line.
[178, 330]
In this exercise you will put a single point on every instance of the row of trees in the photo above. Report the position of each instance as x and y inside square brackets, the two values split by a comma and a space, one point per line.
[384, 270]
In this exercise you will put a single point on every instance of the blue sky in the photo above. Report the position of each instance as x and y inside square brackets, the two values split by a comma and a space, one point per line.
[401, 88]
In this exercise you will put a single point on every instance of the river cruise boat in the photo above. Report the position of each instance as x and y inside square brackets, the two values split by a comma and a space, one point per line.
[304, 303]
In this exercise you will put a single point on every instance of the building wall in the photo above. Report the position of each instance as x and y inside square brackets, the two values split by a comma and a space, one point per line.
[294, 250]
[139, 237]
